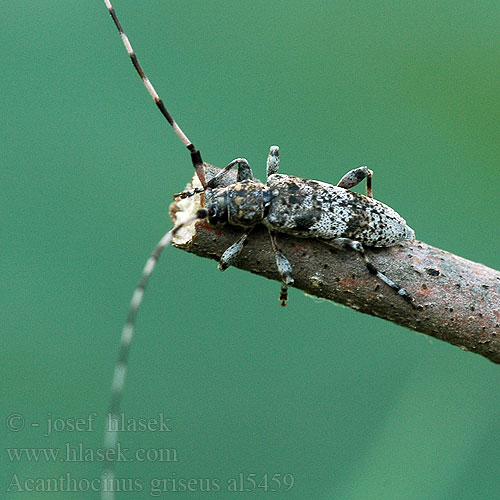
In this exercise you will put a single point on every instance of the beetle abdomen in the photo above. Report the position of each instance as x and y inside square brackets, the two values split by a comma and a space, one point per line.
[308, 208]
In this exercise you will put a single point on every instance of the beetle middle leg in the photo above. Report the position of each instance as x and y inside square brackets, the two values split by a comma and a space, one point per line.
[273, 161]
[343, 243]
[355, 176]
[284, 268]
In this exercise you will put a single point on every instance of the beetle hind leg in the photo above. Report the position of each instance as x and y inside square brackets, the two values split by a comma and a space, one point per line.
[355, 176]
[343, 243]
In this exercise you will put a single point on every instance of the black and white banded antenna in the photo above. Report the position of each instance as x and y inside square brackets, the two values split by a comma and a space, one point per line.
[113, 416]
[109, 482]
[195, 154]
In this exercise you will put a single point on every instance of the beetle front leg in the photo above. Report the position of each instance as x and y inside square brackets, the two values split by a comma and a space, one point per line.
[231, 254]
[188, 193]
[355, 176]
[284, 268]
[244, 172]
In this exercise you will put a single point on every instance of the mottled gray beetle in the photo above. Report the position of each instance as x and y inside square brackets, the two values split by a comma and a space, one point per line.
[285, 204]
[303, 208]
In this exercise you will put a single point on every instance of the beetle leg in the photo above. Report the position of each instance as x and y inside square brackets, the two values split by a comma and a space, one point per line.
[284, 268]
[343, 243]
[355, 176]
[273, 160]
[230, 255]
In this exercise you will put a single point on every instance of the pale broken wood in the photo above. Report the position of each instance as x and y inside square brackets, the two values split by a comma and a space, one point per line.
[457, 300]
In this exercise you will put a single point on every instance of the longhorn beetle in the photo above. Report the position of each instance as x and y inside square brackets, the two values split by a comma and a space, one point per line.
[284, 204]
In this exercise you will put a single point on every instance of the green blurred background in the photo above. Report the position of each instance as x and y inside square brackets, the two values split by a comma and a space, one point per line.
[354, 407]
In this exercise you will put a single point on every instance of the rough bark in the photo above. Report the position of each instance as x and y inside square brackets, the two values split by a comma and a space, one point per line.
[457, 300]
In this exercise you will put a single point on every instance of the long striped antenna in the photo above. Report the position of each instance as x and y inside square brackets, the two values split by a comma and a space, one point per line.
[118, 384]
[195, 154]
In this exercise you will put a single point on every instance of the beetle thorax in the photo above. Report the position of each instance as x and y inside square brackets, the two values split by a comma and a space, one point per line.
[241, 204]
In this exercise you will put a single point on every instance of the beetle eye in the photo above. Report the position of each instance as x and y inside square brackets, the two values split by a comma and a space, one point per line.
[211, 211]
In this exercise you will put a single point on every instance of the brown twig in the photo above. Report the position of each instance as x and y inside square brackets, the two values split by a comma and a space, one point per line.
[457, 300]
